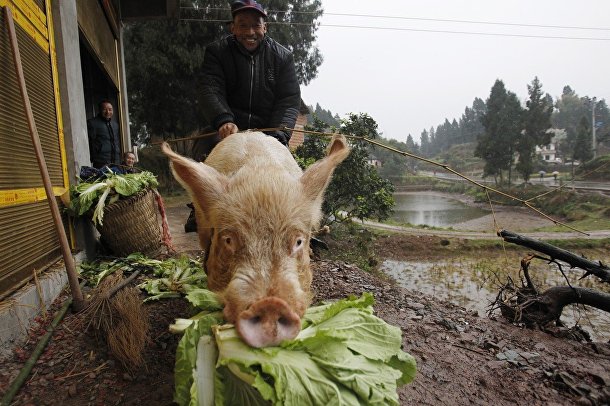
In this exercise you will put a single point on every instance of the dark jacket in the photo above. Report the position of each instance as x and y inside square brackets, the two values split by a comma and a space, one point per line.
[258, 90]
[104, 141]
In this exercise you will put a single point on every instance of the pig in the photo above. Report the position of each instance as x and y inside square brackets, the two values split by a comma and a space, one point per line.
[256, 211]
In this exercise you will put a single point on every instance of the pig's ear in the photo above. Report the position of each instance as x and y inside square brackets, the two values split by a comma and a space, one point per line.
[203, 182]
[317, 176]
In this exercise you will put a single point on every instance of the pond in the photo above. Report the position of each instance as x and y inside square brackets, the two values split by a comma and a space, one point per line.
[474, 284]
[421, 208]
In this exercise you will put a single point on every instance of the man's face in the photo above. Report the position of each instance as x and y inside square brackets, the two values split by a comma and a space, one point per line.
[130, 159]
[249, 28]
[106, 111]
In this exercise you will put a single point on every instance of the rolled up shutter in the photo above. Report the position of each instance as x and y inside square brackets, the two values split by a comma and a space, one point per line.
[28, 239]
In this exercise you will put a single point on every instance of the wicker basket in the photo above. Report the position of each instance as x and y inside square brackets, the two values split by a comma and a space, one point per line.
[131, 225]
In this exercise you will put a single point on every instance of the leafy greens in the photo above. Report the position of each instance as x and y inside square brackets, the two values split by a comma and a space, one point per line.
[344, 355]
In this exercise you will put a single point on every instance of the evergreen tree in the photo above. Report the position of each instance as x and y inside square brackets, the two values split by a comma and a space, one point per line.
[294, 25]
[602, 122]
[570, 109]
[325, 116]
[582, 145]
[470, 122]
[424, 141]
[413, 148]
[502, 123]
[432, 149]
[537, 121]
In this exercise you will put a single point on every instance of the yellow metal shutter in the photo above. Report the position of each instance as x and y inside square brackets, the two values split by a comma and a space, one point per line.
[28, 240]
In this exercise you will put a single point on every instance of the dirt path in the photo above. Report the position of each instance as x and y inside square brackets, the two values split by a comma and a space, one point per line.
[560, 235]
[463, 358]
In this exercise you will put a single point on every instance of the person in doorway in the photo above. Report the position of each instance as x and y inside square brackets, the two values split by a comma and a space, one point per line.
[103, 132]
[127, 165]
[248, 81]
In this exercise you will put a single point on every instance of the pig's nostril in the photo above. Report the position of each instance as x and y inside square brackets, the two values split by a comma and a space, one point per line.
[255, 319]
[284, 321]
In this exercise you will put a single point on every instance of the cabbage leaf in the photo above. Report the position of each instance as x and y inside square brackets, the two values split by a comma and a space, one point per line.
[344, 355]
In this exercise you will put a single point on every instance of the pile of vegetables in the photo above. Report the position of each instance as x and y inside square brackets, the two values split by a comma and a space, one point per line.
[344, 355]
[107, 190]
[173, 277]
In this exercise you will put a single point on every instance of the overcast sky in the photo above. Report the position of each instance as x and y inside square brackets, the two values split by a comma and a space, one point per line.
[408, 80]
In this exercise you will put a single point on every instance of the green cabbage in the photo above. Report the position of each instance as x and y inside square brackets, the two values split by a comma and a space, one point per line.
[105, 191]
[344, 355]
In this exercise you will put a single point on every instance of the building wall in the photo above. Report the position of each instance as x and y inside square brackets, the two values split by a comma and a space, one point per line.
[50, 42]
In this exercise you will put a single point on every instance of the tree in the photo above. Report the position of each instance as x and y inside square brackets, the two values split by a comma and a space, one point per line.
[537, 121]
[502, 123]
[424, 142]
[583, 147]
[356, 189]
[470, 122]
[326, 116]
[294, 25]
[163, 59]
[413, 148]
[602, 122]
[570, 109]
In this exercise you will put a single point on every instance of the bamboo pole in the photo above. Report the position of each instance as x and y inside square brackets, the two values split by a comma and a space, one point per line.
[77, 296]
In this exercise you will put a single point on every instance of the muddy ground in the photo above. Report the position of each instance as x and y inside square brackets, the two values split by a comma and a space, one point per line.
[463, 358]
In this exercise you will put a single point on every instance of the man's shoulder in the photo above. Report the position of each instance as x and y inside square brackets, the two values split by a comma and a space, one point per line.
[219, 44]
[277, 48]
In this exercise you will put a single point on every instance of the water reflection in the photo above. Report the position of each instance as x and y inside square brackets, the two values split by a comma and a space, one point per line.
[474, 285]
[420, 208]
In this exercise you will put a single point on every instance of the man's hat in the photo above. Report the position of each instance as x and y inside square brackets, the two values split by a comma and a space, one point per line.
[242, 5]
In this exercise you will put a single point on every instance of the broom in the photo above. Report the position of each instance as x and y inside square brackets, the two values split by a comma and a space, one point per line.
[116, 312]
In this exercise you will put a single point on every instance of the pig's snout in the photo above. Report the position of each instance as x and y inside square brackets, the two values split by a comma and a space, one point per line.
[268, 322]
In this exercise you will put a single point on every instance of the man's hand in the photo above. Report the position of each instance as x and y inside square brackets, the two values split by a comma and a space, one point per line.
[227, 129]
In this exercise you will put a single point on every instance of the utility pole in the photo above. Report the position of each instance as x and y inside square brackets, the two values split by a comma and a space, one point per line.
[593, 126]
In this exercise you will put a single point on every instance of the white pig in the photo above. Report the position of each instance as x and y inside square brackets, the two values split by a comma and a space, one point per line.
[256, 210]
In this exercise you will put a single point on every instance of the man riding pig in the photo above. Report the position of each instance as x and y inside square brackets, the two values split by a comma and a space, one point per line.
[257, 209]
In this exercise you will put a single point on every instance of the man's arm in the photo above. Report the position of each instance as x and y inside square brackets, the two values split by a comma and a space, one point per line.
[214, 99]
[288, 98]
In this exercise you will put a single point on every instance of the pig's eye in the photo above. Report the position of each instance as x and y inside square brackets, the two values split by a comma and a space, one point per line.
[298, 244]
[228, 242]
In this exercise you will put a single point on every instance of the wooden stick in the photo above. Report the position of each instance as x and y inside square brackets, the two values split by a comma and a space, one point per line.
[77, 295]
[591, 267]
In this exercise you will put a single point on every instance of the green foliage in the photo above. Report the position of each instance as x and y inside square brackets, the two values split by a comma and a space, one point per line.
[503, 123]
[395, 167]
[294, 25]
[344, 355]
[163, 60]
[582, 147]
[356, 189]
[537, 121]
[325, 116]
[597, 169]
[101, 192]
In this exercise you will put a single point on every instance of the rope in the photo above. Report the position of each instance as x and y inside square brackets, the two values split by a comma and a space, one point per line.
[407, 154]
[167, 237]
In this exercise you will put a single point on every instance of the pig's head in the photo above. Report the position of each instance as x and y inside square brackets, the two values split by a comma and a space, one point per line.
[255, 224]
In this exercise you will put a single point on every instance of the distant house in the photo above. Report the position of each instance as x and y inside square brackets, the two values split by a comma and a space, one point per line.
[549, 152]
[374, 162]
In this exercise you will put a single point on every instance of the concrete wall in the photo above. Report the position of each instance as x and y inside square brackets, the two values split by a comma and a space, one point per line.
[71, 86]
[74, 116]
[18, 312]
